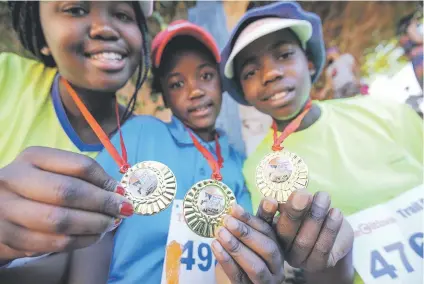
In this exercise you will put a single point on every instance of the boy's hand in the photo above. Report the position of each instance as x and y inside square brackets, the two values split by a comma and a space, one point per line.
[313, 237]
[246, 248]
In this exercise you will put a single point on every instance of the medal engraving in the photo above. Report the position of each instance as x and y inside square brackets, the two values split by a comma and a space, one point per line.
[280, 173]
[151, 186]
[205, 204]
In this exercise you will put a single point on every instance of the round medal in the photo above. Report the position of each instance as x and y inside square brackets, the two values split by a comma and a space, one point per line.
[151, 186]
[280, 173]
[205, 204]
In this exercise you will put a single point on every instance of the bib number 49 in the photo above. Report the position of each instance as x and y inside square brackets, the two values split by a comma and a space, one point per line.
[203, 254]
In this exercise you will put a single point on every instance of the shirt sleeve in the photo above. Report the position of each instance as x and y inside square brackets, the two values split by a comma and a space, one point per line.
[408, 131]
[242, 193]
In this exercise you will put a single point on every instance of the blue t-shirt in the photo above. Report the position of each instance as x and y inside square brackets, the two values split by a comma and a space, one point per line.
[140, 241]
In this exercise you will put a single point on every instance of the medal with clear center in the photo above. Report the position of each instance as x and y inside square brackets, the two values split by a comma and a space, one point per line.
[151, 186]
[280, 173]
[205, 205]
[207, 201]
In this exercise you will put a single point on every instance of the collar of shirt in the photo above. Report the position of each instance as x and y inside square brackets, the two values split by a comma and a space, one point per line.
[181, 136]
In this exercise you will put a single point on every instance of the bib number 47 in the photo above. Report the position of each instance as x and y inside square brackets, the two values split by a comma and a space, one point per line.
[380, 267]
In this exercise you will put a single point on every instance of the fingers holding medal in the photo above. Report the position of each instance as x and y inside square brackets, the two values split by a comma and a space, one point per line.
[151, 186]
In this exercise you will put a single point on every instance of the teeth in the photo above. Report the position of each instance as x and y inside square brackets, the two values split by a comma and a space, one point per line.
[201, 108]
[278, 96]
[107, 56]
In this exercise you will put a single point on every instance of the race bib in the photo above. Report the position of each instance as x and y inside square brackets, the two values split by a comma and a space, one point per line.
[189, 257]
[388, 245]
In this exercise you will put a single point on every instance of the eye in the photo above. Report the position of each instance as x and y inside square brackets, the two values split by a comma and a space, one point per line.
[123, 17]
[249, 74]
[286, 55]
[207, 76]
[76, 11]
[176, 85]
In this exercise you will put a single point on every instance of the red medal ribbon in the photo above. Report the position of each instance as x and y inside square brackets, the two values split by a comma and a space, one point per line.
[215, 165]
[103, 137]
[289, 129]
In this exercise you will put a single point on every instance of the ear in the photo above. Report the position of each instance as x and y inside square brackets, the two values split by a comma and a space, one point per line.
[45, 51]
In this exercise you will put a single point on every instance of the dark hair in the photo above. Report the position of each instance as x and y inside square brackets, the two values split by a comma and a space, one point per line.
[175, 46]
[26, 22]
[403, 24]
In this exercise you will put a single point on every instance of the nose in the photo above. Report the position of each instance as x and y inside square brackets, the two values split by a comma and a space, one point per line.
[196, 93]
[271, 72]
[194, 90]
[102, 29]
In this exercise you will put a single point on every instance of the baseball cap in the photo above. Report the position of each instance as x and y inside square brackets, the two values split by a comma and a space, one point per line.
[262, 27]
[146, 7]
[267, 19]
[179, 28]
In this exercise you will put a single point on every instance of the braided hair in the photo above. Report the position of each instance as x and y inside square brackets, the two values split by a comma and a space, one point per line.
[26, 22]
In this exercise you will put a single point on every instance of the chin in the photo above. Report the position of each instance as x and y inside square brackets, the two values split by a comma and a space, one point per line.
[103, 85]
[285, 113]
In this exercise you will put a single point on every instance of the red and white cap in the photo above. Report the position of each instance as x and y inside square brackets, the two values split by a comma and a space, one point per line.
[179, 28]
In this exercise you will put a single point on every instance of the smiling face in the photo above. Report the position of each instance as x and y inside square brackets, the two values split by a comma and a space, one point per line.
[274, 75]
[192, 88]
[95, 45]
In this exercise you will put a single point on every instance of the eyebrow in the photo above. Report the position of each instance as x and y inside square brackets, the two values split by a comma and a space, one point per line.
[253, 58]
[206, 64]
[175, 74]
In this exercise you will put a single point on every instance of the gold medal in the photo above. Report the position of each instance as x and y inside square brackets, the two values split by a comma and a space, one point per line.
[205, 204]
[280, 173]
[151, 186]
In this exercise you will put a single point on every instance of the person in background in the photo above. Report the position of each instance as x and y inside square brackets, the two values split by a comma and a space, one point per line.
[341, 75]
[410, 33]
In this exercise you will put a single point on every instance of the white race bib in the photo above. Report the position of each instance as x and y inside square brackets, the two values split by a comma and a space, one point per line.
[388, 244]
[197, 264]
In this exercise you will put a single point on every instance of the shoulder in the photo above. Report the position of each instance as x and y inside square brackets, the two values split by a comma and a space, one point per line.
[144, 128]
[145, 122]
[370, 112]
[365, 106]
[18, 74]
[18, 64]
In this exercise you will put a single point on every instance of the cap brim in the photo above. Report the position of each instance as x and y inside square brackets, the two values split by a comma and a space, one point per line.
[302, 29]
[188, 30]
[146, 7]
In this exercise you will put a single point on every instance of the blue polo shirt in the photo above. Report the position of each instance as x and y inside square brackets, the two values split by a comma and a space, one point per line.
[140, 241]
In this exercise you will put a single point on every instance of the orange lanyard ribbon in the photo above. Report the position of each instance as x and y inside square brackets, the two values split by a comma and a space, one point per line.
[289, 129]
[103, 137]
[215, 164]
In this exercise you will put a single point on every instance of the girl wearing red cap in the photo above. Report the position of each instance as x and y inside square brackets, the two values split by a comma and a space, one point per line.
[162, 248]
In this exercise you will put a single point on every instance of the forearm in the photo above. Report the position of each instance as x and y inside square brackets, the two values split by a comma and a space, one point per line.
[342, 273]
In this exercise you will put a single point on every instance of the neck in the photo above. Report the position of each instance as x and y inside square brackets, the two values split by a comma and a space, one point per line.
[310, 118]
[206, 135]
[100, 104]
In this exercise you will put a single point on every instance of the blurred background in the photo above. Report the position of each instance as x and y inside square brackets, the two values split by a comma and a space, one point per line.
[372, 39]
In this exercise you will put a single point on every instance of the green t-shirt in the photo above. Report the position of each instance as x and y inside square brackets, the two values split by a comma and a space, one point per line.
[362, 151]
